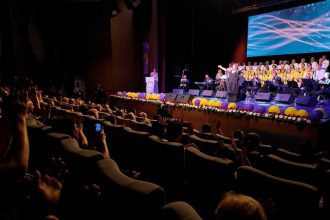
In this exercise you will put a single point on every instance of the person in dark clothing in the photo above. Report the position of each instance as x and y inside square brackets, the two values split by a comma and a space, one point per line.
[163, 111]
[100, 95]
[233, 83]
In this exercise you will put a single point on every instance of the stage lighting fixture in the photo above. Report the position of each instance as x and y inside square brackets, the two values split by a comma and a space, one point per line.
[114, 8]
[131, 4]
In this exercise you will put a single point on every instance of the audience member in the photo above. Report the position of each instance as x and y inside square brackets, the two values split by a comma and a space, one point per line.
[239, 207]
[174, 131]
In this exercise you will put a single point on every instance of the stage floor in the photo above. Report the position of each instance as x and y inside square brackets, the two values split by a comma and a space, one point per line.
[325, 105]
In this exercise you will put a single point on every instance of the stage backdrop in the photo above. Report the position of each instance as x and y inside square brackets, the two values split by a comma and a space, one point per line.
[302, 29]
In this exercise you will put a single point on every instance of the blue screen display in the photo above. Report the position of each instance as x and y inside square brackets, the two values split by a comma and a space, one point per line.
[302, 29]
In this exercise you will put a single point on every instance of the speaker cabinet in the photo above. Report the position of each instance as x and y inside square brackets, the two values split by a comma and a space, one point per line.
[263, 96]
[221, 94]
[284, 98]
[207, 93]
[194, 92]
[232, 98]
[184, 98]
[178, 91]
[170, 97]
[306, 101]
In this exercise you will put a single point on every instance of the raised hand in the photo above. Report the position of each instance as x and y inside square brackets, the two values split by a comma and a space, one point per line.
[49, 188]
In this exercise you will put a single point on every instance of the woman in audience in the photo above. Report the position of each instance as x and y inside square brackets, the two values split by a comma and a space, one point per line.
[131, 116]
[145, 118]
[238, 134]
[107, 109]
[120, 113]
[239, 207]
[174, 131]
[94, 112]
[249, 143]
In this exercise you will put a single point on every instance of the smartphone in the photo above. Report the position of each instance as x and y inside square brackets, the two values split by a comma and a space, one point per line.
[98, 127]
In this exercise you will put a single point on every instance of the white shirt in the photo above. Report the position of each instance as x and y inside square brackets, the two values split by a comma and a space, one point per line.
[254, 68]
[302, 66]
[271, 66]
[314, 65]
[319, 74]
[325, 64]
[296, 65]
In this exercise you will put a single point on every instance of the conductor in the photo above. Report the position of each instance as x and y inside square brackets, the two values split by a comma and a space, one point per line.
[232, 82]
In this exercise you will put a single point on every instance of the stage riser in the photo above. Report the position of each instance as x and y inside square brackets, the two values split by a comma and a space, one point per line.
[315, 133]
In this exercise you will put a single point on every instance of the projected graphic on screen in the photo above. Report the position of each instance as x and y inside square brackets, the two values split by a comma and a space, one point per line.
[302, 29]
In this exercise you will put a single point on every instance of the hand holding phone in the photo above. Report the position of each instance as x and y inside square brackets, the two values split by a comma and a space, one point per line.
[98, 128]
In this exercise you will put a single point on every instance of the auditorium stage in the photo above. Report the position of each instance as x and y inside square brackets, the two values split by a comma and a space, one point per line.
[281, 133]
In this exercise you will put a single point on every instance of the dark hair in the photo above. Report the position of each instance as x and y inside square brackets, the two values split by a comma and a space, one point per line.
[239, 207]
[206, 128]
[111, 119]
[251, 141]
[158, 129]
[65, 125]
[239, 135]
[174, 129]
[157, 117]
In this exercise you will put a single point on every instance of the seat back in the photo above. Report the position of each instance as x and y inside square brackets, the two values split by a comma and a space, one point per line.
[288, 155]
[290, 199]
[135, 147]
[139, 126]
[209, 147]
[207, 178]
[225, 139]
[165, 163]
[127, 198]
[179, 211]
[115, 141]
[287, 169]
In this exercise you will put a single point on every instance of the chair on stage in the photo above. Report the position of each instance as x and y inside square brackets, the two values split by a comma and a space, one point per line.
[308, 86]
[251, 88]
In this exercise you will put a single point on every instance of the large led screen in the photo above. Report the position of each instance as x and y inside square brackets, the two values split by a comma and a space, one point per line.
[302, 29]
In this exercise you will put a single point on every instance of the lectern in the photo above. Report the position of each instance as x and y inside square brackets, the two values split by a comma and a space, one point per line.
[150, 84]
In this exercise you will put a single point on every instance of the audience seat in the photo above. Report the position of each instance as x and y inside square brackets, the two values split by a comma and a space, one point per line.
[326, 192]
[288, 155]
[207, 177]
[115, 141]
[209, 147]
[287, 169]
[164, 164]
[226, 140]
[207, 136]
[324, 163]
[179, 211]
[139, 126]
[49, 147]
[284, 199]
[35, 133]
[127, 198]
[134, 145]
[265, 149]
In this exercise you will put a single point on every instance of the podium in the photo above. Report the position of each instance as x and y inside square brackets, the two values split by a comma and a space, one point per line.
[150, 84]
